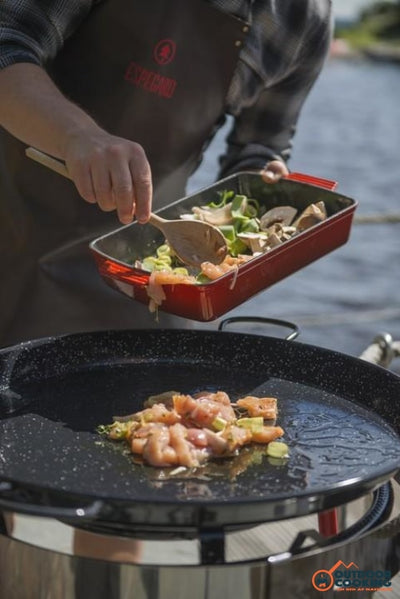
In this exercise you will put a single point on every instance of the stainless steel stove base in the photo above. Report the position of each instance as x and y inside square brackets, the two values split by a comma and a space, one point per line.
[31, 572]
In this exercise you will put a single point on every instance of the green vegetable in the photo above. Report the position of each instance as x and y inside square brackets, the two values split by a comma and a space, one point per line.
[254, 424]
[237, 247]
[239, 205]
[277, 449]
[253, 208]
[202, 279]
[149, 263]
[181, 270]
[228, 231]
[250, 225]
[160, 265]
[224, 196]
[219, 423]
[163, 250]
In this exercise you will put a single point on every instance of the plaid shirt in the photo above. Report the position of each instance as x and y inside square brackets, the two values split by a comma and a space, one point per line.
[281, 59]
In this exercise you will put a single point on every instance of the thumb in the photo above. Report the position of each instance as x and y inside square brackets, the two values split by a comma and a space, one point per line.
[273, 171]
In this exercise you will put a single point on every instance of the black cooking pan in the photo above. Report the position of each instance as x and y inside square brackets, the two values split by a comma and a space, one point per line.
[340, 416]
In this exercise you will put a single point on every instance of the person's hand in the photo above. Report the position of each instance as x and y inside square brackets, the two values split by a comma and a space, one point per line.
[112, 172]
[273, 171]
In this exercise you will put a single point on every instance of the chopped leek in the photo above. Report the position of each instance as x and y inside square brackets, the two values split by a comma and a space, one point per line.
[219, 423]
[181, 270]
[163, 250]
[228, 231]
[237, 247]
[250, 225]
[224, 196]
[277, 449]
[239, 205]
[202, 279]
[254, 424]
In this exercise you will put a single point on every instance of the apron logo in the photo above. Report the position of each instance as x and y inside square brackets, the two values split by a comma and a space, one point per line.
[164, 51]
[150, 81]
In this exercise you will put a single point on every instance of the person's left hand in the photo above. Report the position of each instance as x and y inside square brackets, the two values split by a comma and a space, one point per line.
[273, 171]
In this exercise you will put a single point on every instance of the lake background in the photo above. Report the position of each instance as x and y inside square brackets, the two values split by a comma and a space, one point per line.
[349, 132]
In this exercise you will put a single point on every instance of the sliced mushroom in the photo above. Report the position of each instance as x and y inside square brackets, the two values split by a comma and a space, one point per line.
[286, 236]
[313, 214]
[214, 216]
[280, 214]
[289, 230]
[255, 241]
[274, 240]
[275, 229]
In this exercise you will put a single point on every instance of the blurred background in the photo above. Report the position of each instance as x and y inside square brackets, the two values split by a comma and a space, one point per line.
[349, 131]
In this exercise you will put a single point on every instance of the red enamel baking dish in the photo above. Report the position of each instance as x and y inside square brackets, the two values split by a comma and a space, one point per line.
[116, 252]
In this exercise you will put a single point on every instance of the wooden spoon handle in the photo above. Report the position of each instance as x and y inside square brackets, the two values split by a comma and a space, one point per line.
[46, 160]
[59, 167]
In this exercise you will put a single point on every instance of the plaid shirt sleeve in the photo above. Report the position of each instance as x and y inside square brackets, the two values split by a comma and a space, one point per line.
[278, 67]
[33, 32]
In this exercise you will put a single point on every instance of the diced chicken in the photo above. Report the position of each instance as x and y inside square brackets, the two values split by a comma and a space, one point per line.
[236, 437]
[259, 406]
[157, 279]
[214, 271]
[197, 436]
[157, 450]
[202, 412]
[216, 442]
[185, 450]
[158, 413]
[196, 428]
[267, 434]
[219, 396]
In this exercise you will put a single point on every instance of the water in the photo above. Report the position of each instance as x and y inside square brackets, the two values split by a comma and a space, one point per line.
[349, 132]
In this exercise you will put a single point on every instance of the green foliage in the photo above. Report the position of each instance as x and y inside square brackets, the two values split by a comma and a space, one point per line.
[380, 22]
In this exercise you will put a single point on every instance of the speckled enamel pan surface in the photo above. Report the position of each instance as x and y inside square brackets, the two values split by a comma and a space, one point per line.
[340, 416]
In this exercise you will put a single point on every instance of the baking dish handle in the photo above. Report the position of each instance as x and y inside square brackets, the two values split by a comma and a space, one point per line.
[88, 512]
[274, 321]
[318, 181]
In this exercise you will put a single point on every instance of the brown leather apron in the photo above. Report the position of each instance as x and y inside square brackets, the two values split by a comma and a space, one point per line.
[156, 72]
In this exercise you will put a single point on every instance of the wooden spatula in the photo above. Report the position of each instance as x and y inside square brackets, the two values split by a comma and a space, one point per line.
[193, 241]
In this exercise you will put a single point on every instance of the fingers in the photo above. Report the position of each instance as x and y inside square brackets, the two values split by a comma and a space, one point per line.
[115, 174]
[273, 171]
[141, 175]
[83, 180]
[101, 178]
[122, 188]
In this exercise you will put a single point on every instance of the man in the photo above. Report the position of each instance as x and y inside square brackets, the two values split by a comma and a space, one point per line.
[129, 94]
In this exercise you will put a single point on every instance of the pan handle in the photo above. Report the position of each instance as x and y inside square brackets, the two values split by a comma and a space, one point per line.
[318, 181]
[88, 512]
[280, 323]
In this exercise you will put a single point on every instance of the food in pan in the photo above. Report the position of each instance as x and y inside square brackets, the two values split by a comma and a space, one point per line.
[176, 430]
[249, 229]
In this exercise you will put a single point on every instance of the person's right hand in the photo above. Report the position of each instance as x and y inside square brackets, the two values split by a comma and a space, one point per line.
[112, 172]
